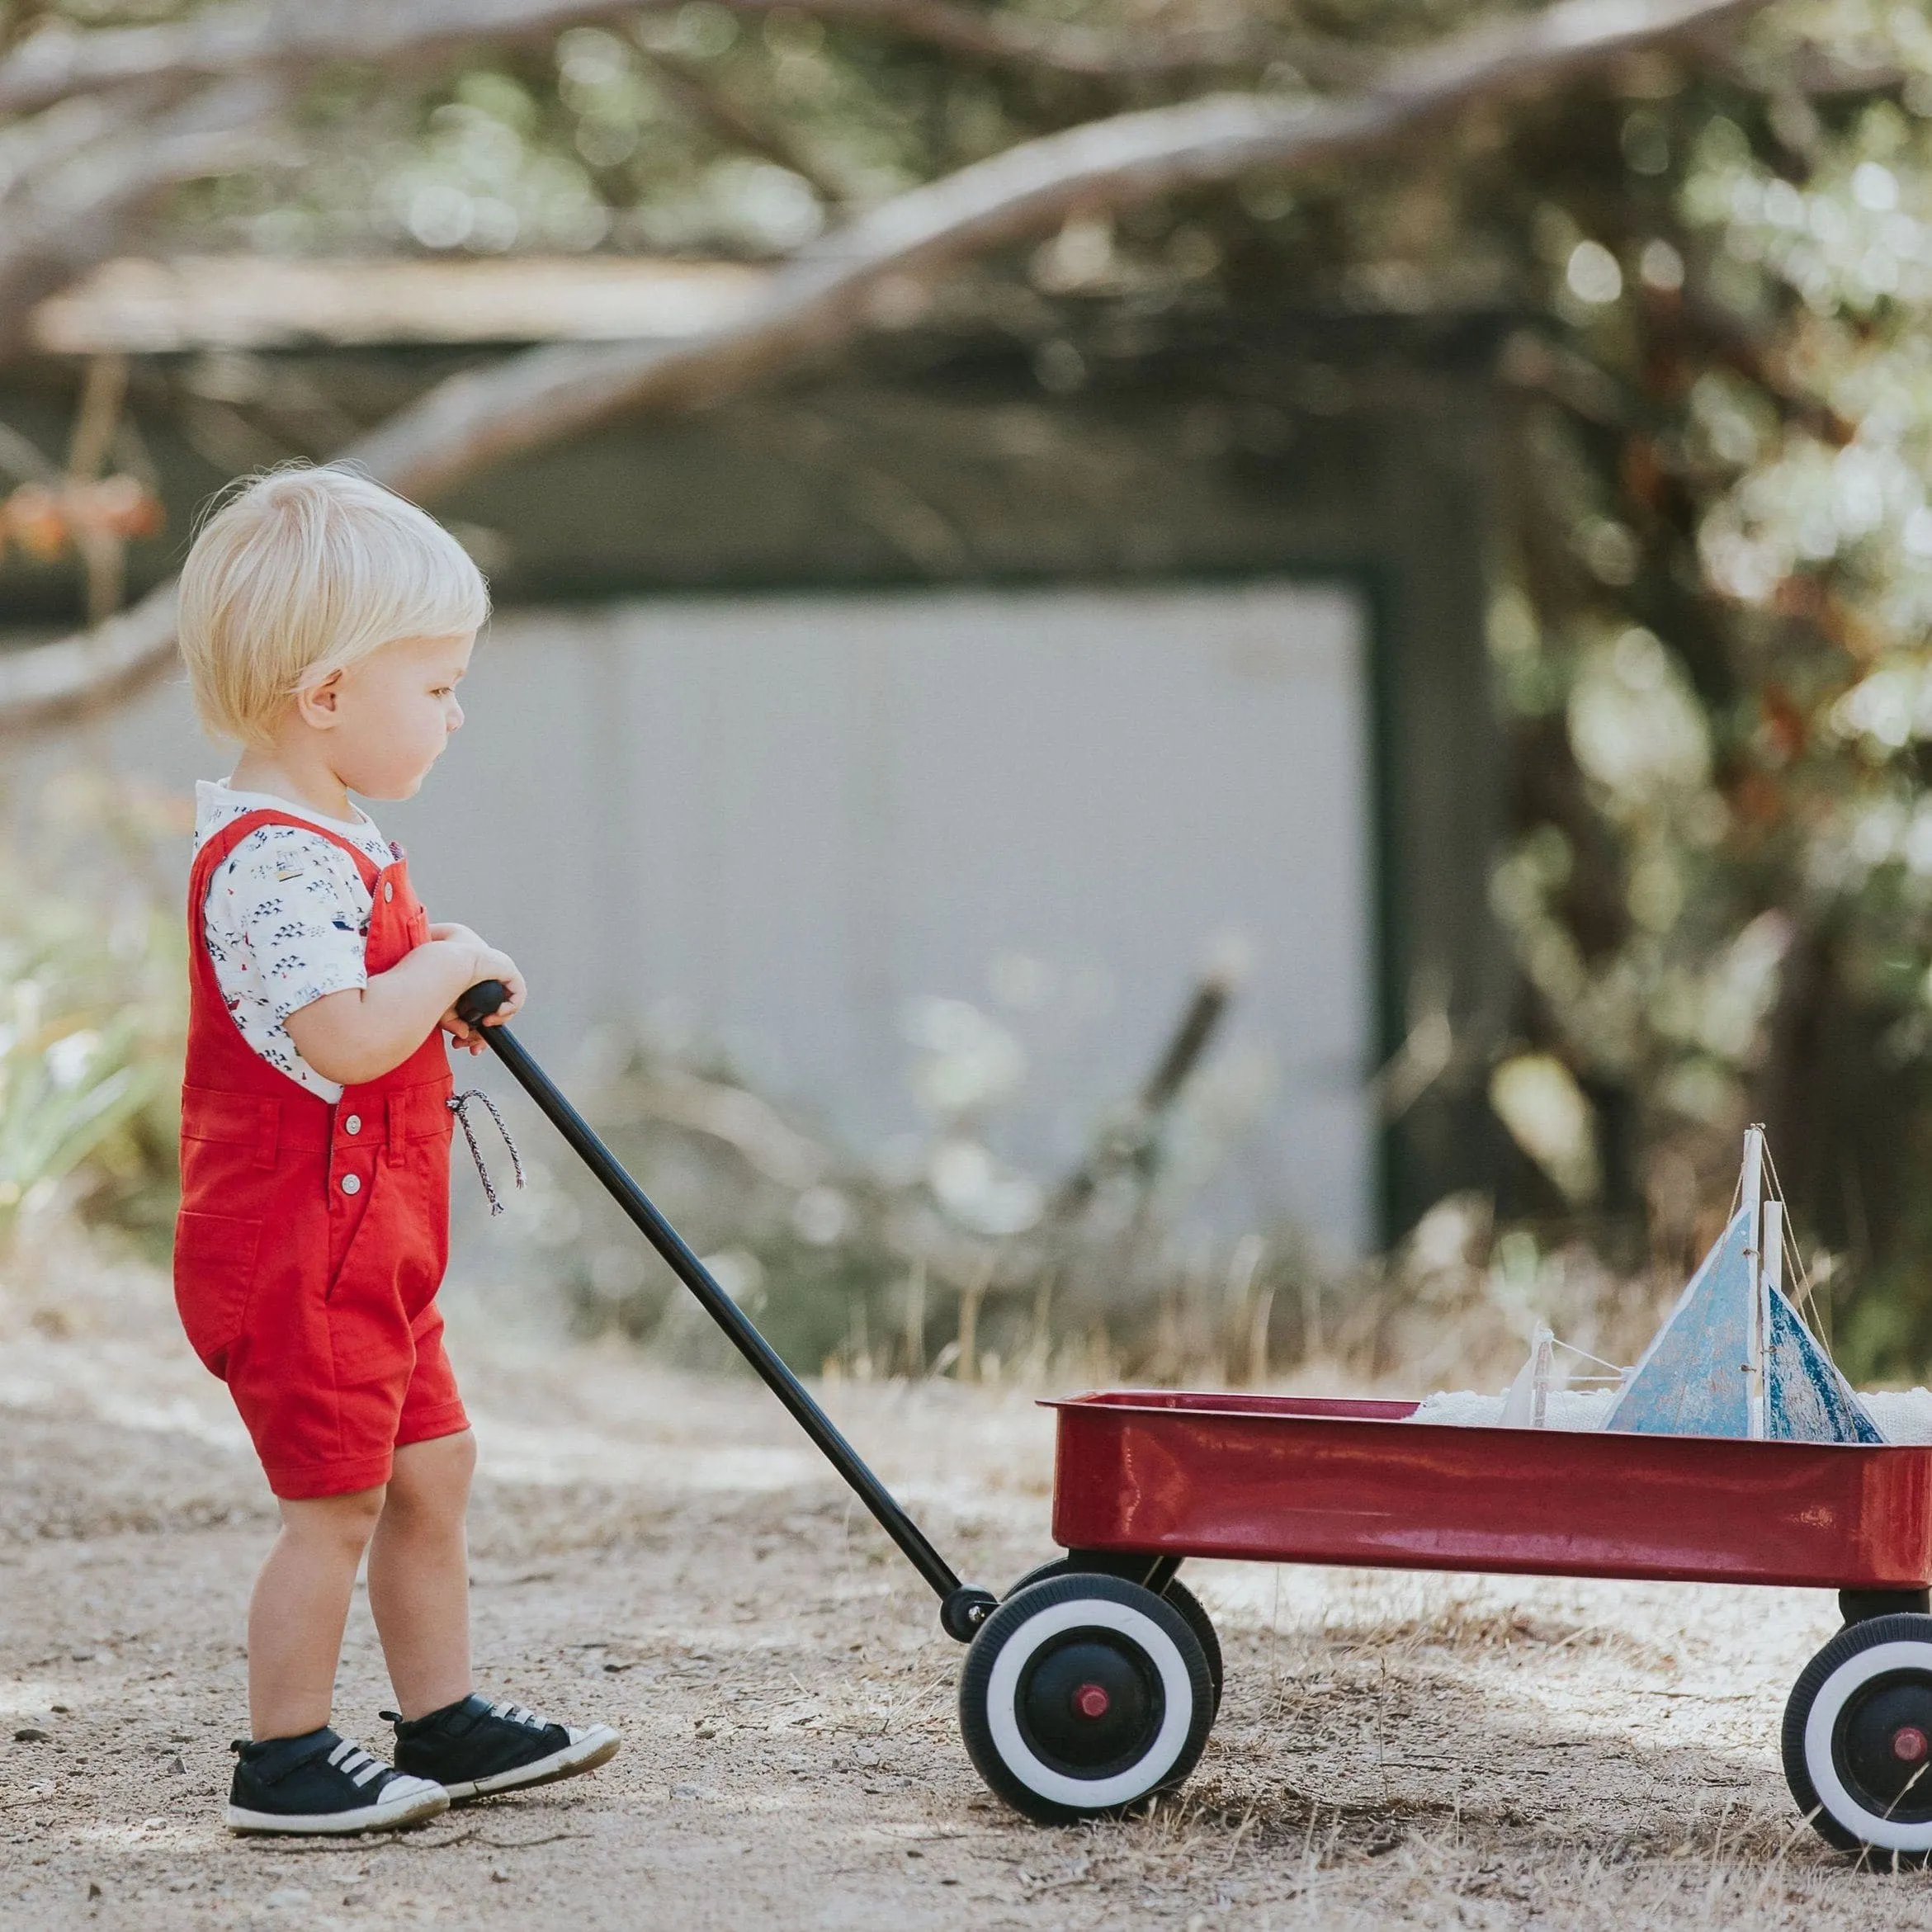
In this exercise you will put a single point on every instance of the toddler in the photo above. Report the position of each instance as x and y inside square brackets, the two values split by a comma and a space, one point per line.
[326, 624]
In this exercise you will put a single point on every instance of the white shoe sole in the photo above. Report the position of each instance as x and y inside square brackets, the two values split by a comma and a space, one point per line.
[597, 1745]
[413, 1807]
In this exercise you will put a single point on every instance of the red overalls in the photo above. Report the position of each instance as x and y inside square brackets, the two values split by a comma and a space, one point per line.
[312, 1238]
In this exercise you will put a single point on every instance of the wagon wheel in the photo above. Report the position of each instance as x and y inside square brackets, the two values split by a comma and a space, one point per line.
[1083, 1697]
[1176, 1592]
[1858, 1738]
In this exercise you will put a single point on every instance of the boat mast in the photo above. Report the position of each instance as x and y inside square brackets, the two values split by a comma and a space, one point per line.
[1771, 1276]
[1758, 1221]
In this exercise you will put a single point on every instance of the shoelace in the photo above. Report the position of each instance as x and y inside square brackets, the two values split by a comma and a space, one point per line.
[457, 1103]
[357, 1764]
[517, 1714]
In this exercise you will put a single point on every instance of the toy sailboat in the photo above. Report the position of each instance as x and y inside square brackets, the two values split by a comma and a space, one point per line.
[1734, 1358]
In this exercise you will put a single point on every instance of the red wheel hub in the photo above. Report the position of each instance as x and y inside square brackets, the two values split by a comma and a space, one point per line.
[1091, 1700]
[1909, 1743]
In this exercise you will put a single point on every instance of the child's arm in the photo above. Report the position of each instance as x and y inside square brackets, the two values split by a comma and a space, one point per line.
[362, 1033]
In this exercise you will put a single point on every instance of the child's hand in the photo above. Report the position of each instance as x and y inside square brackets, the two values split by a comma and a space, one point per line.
[486, 964]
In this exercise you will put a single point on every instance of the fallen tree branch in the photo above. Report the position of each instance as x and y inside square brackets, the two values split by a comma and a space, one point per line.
[695, 89]
[1130, 1141]
[58, 63]
[828, 291]
[30, 150]
[76, 208]
[60, 683]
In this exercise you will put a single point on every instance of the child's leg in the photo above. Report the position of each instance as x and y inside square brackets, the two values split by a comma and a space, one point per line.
[419, 1573]
[301, 1603]
[419, 1589]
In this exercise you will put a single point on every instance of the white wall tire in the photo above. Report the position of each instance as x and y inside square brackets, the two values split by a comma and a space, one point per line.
[1084, 1697]
[1174, 1593]
[1858, 1738]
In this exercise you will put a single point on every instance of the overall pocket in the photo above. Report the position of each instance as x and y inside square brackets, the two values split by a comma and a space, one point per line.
[368, 1336]
[213, 1271]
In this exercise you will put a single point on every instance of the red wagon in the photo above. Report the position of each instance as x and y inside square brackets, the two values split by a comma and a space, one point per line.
[1092, 1685]
[1095, 1682]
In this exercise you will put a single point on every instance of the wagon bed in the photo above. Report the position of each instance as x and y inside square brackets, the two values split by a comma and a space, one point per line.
[1315, 1479]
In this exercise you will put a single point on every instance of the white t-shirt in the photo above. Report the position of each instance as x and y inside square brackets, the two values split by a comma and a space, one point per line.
[285, 919]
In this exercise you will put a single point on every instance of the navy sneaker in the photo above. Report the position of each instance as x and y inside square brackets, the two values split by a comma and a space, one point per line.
[321, 1783]
[473, 1747]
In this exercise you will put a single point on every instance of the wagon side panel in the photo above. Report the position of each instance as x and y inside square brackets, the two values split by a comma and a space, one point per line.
[1292, 1487]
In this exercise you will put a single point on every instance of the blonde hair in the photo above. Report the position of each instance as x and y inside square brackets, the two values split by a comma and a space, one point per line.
[301, 571]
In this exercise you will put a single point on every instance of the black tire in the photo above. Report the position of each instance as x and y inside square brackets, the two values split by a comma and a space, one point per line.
[1177, 1592]
[1858, 1739]
[1084, 1697]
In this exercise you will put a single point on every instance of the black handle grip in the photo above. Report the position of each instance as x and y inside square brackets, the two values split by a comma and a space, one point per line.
[476, 1006]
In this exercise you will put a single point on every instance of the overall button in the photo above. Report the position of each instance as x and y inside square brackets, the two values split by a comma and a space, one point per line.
[353, 1124]
[389, 889]
[351, 1183]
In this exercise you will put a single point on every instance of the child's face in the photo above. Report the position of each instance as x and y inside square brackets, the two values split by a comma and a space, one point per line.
[394, 712]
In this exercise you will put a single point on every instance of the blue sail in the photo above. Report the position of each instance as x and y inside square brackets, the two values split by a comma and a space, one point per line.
[1805, 1399]
[1694, 1378]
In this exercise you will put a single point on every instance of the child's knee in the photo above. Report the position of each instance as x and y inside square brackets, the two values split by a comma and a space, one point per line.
[461, 1452]
[344, 1522]
[432, 1479]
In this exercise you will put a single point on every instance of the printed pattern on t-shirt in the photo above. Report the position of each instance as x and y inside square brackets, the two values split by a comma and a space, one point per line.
[285, 922]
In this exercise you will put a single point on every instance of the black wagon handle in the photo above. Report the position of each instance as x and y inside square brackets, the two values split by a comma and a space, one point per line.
[962, 1608]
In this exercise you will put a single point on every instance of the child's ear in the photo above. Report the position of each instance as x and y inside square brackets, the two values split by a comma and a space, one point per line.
[319, 704]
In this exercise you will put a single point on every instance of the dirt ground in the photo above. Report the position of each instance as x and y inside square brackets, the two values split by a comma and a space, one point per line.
[662, 1551]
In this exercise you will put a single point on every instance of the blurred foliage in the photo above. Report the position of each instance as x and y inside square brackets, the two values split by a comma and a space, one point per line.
[92, 1005]
[1711, 642]
[937, 1257]
[1714, 559]
[938, 1252]
[50, 520]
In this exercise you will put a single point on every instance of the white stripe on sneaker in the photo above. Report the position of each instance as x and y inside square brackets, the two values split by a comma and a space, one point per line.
[357, 1764]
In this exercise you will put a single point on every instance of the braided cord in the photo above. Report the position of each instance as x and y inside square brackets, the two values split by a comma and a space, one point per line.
[458, 1105]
